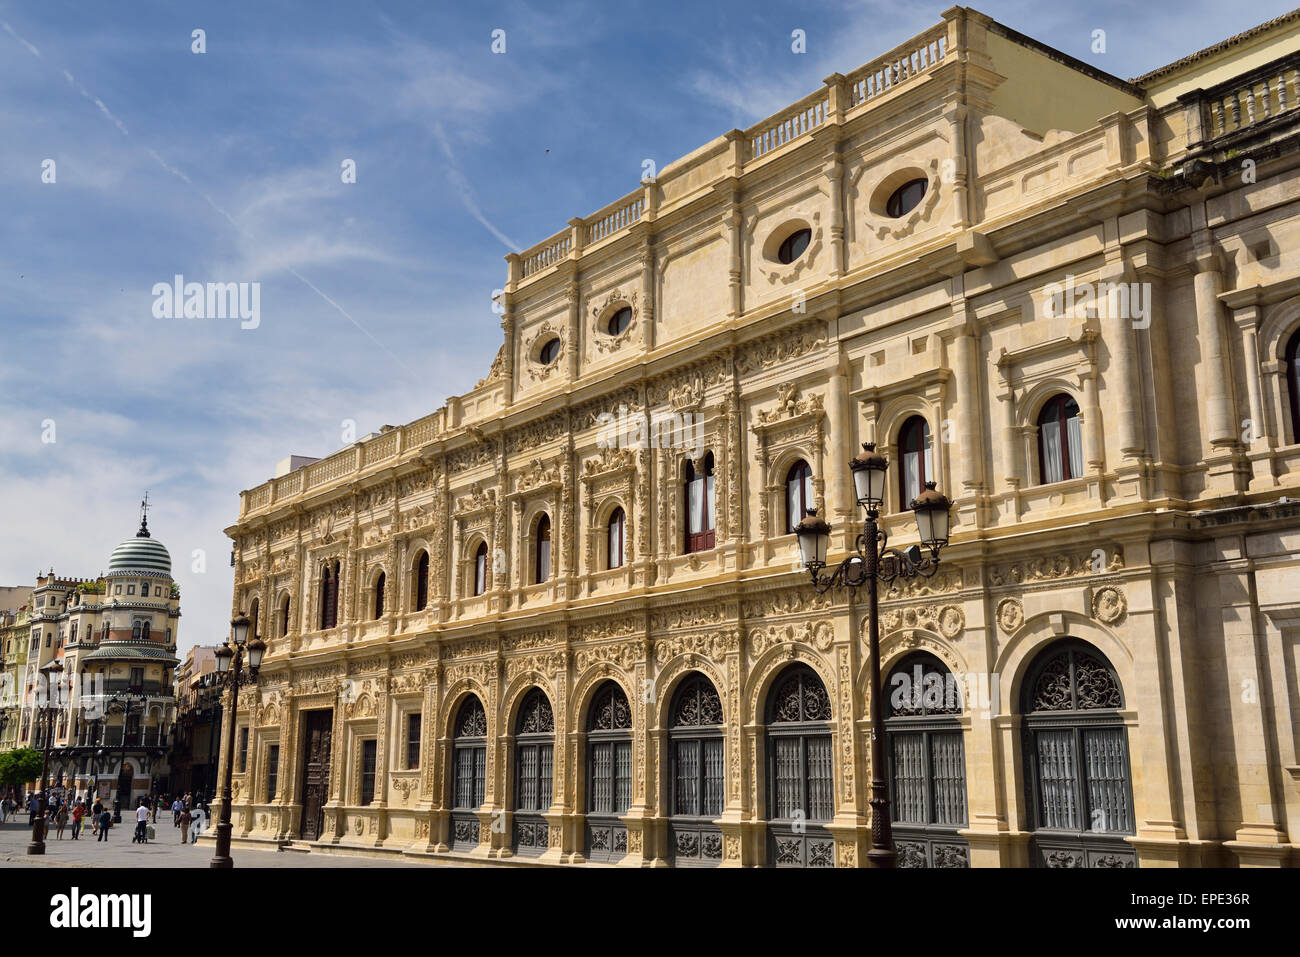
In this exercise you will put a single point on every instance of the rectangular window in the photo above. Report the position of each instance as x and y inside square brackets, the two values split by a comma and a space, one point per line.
[471, 776]
[1051, 451]
[74, 632]
[272, 770]
[948, 771]
[788, 761]
[1108, 803]
[821, 784]
[137, 677]
[543, 560]
[602, 793]
[1058, 776]
[686, 793]
[369, 751]
[909, 778]
[130, 589]
[243, 750]
[622, 777]
[412, 741]
[157, 591]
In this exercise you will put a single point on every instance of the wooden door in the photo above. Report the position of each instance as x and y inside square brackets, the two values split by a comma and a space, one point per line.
[315, 772]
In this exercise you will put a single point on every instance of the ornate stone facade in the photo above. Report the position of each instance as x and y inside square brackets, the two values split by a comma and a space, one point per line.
[1162, 558]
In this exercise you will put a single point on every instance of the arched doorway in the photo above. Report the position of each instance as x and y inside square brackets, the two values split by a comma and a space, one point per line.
[1077, 775]
[534, 756]
[696, 773]
[800, 771]
[469, 773]
[609, 773]
[927, 763]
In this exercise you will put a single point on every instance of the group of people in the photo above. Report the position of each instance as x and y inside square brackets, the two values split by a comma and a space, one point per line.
[189, 815]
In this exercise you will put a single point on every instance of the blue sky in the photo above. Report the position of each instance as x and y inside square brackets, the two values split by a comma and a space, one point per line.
[375, 296]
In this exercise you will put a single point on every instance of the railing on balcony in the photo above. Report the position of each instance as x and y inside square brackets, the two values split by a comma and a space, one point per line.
[125, 685]
[548, 253]
[804, 117]
[616, 218]
[1261, 95]
[897, 66]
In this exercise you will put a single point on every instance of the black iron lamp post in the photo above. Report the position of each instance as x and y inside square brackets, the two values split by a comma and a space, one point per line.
[51, 672]
[230, 665]
[874, 561]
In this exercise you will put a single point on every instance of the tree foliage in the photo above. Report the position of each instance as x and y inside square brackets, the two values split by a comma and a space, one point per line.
[20, 766]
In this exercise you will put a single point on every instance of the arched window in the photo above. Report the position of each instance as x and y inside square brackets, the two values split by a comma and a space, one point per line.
[469, 772]
[699, 505]
[542, 550]
[1076, 755]
[421, 591]
[1293, 383]
[534, 751]
[104, 632]
[379, 596]
[617, 538]
[609, 772]
[254, 631]
[284, 616]
[144, 630]
[798, 494]
[927, 763]
[135, 628]
[917, 461]
[697, 772]
[801, 787]
[480, 569]
[329, 595]
[1060, 440]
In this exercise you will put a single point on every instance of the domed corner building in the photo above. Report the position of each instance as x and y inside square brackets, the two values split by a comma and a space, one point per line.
[117, 635]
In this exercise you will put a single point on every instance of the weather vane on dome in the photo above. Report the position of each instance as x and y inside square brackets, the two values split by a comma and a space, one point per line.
[144, 517]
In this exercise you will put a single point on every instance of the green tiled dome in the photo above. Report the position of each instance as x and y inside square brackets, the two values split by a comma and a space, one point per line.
[141, 554]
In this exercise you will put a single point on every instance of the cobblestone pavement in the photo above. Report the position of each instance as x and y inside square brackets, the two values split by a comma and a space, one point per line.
[165, 851]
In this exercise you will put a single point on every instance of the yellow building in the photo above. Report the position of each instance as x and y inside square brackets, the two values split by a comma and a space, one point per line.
[561, 619]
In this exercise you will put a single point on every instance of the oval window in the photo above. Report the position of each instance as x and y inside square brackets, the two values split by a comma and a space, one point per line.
[906, 198]
[794, 246]
[619, 322]
[550, 352]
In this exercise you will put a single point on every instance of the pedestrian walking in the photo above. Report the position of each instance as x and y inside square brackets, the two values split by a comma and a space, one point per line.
[105, 822]
[60, 820]
[177, 807]
[78, 813]
[95, 812]
[185, 817]
[141, 821]
[5, 807]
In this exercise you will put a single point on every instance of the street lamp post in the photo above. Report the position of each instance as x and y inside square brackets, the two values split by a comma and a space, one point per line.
[230, 664]
[874, 561]
[51, 672]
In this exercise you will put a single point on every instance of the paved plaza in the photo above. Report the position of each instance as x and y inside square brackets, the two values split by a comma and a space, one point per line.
[166, 851]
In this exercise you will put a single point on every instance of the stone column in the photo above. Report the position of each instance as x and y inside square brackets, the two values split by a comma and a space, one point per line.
[648, 293]
[968, 471]
[1215, 386]
[1117, 332]
[840, 426]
